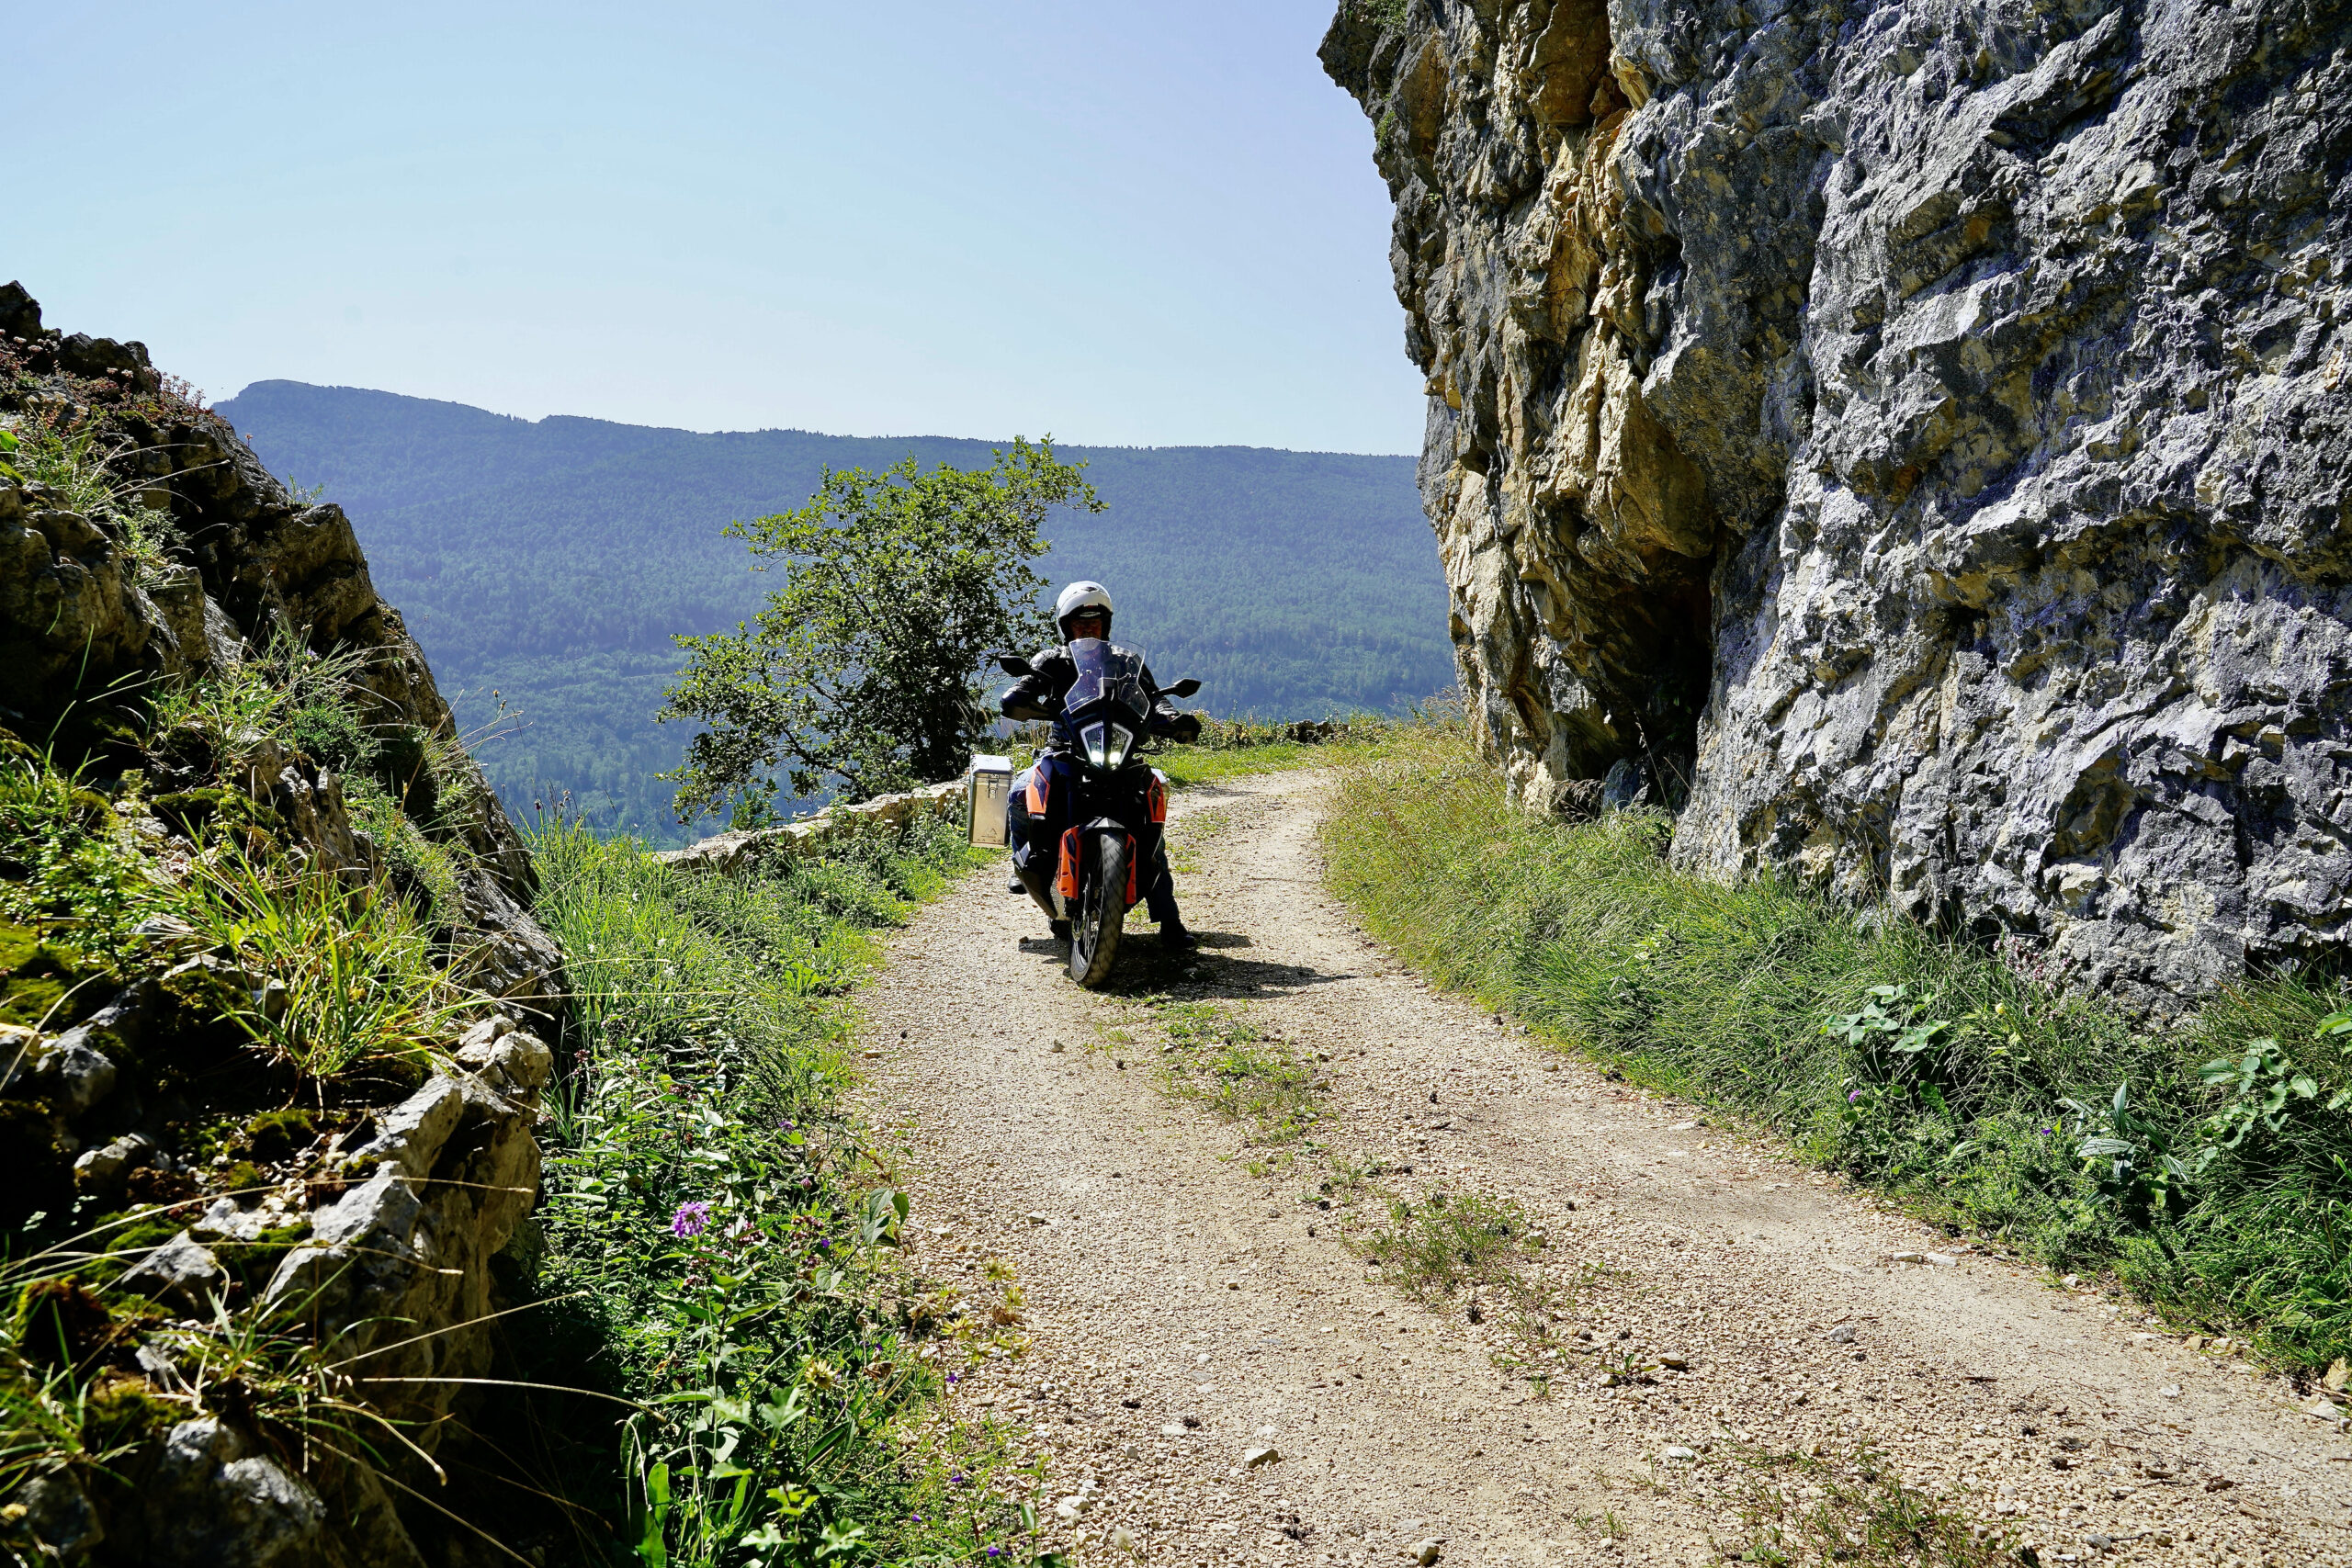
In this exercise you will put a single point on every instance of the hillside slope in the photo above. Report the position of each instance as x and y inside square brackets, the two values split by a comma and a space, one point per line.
[270, 1006]
[552, 561]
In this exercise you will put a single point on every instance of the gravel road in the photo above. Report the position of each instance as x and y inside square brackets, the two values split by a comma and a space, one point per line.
[1184, 1314]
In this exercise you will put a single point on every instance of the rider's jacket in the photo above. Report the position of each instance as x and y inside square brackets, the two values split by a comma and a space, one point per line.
[1039, 694]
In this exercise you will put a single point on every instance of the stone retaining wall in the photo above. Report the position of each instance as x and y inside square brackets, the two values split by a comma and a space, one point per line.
[733, 851]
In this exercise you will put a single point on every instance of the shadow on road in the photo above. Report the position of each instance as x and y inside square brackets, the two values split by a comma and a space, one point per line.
[1143, 969]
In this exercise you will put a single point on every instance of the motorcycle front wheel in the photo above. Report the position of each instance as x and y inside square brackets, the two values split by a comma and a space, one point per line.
[1101, 913]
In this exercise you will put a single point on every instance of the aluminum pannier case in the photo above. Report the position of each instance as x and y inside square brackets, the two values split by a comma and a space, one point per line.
[987, 789]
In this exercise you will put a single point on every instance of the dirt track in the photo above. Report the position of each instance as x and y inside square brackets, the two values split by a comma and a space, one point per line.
[1165, 1285]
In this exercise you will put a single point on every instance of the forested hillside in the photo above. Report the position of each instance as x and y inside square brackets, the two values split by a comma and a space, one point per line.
[551, 561]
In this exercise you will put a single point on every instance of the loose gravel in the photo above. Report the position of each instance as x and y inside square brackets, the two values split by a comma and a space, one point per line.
[1216, 1378]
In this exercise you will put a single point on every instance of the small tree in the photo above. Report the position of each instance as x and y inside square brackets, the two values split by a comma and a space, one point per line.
[864, 668]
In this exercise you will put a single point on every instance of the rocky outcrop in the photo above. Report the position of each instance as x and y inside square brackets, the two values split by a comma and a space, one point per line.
[1907, 441]
[267, 1282]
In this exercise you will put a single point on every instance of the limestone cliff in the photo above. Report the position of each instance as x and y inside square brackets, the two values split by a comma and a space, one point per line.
[1907, 440]
[247, 1275]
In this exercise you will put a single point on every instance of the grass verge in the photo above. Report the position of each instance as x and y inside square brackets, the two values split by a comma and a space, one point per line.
[2208, 1166]
[1232, 748]
[720, 1241]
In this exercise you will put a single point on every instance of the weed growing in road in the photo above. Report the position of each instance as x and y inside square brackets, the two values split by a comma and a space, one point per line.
[1448, 1241]
[1936, 1069]
[1237, 1070]
[1484, 1250]
[1852, 1508]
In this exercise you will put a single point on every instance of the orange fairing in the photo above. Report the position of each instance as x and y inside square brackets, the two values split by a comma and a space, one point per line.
[1066, 880]
[1037, 791]
[1159, 798]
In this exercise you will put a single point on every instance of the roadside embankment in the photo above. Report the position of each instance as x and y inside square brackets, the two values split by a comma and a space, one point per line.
[2208, 1165]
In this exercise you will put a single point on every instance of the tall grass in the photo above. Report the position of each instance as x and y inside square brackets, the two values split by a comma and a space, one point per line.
[348, 973]
[721, 1231]
[1954, 1077]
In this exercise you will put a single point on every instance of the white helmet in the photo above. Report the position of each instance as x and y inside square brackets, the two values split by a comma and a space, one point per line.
[1081, 597]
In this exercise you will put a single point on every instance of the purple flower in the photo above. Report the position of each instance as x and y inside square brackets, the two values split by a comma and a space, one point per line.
[690, 1219]
[996, 1552]
[951, 1378]
[1853, 1096]
[823, 1245]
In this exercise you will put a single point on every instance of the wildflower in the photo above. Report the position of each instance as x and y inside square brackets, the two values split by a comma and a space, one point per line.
[690, 1219]
[1853, 1096]
[823, 1245]
[996, 1552]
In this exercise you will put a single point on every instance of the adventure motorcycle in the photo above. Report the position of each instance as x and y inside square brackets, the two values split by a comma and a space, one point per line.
[1121, 804]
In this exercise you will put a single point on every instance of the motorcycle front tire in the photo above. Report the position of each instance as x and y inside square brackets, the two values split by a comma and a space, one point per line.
[1101, 912]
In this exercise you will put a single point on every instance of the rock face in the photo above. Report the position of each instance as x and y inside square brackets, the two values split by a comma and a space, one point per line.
[345, 1220]
[1907, 441]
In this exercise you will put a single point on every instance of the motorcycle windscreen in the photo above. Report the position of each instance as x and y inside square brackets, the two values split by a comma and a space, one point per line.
[1106, 672]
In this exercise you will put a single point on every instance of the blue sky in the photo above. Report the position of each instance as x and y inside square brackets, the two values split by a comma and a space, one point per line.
[1140, 224]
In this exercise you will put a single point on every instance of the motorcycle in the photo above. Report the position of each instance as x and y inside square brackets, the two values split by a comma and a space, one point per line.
[1122, 800]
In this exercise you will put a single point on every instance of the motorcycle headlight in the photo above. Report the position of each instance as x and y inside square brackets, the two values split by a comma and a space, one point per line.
[1123, 740]
[1092, 738]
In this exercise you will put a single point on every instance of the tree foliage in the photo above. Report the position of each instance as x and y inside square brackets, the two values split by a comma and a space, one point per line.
[862, 671]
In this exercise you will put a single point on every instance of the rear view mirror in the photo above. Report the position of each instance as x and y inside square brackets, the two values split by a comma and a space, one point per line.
[1013, 664]
[1184, 688]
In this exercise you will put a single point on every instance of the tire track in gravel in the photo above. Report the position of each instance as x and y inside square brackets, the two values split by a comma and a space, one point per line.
[1166, 1286]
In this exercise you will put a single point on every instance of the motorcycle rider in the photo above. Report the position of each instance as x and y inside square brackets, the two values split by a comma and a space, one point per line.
[1081, 610]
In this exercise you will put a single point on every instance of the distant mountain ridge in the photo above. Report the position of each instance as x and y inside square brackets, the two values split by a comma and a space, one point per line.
[551, 560]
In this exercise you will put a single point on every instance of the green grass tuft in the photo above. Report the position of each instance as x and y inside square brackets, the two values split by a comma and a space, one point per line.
[1802, 1509]
[1214, 1058]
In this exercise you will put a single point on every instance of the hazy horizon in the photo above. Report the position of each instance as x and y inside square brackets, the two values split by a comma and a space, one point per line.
[806, 430]
[1132, 226]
